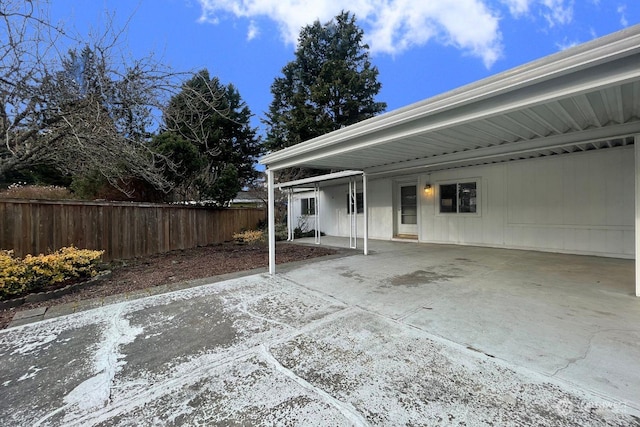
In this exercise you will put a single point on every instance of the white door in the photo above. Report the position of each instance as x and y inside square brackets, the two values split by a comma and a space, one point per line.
[407, 210]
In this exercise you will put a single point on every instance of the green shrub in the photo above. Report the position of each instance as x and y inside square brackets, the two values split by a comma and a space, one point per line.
[298, 233]
[281, 232]
[37, 273]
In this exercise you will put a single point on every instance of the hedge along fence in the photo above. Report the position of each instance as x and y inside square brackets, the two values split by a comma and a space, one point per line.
[122, 230]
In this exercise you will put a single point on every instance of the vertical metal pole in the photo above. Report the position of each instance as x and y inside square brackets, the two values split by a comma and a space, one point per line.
[637, 194]
[316, 195]
[353, 209]
[355, 213]
[349, 209]
[289, 215]
[272, 222]
[365, 203]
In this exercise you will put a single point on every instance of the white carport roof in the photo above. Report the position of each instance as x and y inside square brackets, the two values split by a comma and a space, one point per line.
[583, 98]
[310, 183]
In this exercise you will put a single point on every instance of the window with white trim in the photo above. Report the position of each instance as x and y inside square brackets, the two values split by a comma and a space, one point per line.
[308, 206]
[459, 197]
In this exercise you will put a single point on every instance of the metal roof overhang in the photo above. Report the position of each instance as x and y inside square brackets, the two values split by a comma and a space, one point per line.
[584, 98]
[312, 182]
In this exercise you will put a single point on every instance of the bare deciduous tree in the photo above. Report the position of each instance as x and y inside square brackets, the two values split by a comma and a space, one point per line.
[79, 107]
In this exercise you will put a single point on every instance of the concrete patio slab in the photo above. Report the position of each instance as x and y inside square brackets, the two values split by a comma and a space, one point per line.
[407, 336]
[565, 316]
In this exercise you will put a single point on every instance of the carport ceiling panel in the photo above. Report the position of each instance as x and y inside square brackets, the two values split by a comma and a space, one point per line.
[580, 112]
[498, 137]
[611, 99]
[454, 142]
[354, 160]
[535, 127]
[632, 100]
[550, 115]
[438, 146]
[504, 135]
[471, 137]
[386, 152]
[395, 152]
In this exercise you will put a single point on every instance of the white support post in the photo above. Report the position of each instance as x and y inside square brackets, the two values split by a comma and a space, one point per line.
[353, 214]
[354, 220]
[289, 215]
[366, 214]
[637, 194]
[272, 222]
[350, 212]
[316, 195]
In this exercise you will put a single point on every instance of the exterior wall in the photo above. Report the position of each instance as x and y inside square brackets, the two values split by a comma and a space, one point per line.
[306, 222]
[579, 203]
[334, 220]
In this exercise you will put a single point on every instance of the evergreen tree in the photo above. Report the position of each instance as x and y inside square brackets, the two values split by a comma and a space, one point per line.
[214, 122]
[329, 85]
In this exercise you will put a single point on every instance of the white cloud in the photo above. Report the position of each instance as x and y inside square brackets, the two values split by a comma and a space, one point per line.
[391, 26]
[253, 31]
[622, 9]
[517, 7]
[567, 44]
[559, 12]
[555, 12]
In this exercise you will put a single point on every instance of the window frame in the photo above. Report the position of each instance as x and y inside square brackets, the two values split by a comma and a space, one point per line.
[307, 206]
[458, 183]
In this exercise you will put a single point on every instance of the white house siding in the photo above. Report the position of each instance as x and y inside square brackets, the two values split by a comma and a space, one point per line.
[577, 203]
[307, 222]
[334, 220]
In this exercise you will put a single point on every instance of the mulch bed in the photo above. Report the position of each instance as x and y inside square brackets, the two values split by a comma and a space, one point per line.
[176, 266]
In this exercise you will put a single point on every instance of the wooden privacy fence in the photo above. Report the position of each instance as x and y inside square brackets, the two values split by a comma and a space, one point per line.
[122, 230]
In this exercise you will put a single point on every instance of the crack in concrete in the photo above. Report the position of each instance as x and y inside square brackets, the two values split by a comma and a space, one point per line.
[347, 411]
[243, 308]
[411, 312]
[138, 398]
[586, 352]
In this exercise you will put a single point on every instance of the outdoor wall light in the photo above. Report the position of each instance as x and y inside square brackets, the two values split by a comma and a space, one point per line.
[427, 188]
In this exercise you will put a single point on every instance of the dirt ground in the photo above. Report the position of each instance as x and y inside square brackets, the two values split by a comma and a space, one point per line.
[177, 266]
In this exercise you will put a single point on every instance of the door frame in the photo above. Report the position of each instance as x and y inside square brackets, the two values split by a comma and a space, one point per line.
[413, 181]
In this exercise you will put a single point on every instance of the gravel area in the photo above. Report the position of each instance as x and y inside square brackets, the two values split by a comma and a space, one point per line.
[177, 266]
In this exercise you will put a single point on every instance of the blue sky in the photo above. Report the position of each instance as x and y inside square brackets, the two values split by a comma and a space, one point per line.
[421, 47]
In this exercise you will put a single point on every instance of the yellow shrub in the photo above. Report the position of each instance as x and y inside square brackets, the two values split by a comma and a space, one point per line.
[12, 280]
[35, 273]
[250, 236]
